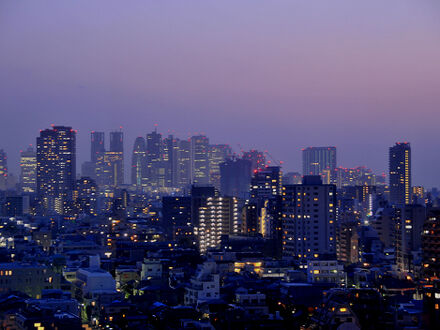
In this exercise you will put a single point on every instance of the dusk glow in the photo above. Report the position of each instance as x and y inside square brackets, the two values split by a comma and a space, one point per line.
[355, 75]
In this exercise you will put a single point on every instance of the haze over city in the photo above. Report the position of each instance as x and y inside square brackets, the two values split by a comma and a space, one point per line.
[277, 76]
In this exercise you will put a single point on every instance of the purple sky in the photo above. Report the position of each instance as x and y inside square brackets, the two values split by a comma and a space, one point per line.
[276, 75]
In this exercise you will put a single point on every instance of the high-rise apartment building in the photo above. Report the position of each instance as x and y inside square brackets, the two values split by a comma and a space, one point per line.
[309, 218]
[267, 183]
[56, 167]
[400, 173]
[409, 236]
[139, 162]
[200, 159]
[219, 216]
[319, 161]
[28, 170]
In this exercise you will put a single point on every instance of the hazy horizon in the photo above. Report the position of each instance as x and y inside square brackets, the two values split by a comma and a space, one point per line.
[276, 76]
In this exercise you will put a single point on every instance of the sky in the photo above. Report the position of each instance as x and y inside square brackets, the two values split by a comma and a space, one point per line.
[272, 75]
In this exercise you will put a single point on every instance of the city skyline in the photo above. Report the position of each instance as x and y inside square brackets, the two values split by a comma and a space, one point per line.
[85, 156]
[276, 69]
[233, 164]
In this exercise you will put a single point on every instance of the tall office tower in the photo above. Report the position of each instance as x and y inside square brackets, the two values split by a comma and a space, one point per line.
[200, 160]
[267, 183]
[109, 169]
[56, 167]
[431, 243]
[235, 178]
[219, 216]
[139, 162]
[154, 159]
[88, 169]
[184, 163]
[257, 159]
[400, 173]
[28, 171]
[309, 217]
[409, 236]
[117, 141]
[319, 161]
[117, 150]
[218, 153]
[170, 160]
[97, 145]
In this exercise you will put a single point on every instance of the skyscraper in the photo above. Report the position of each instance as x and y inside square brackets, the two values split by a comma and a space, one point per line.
[56, 167]
[267, 183]
[184, 163]
[218, 153]
[219, 216]
[200, 159]
[400, 173]
[319, 161]
[154, 158]
[170, 153]
[109, 169]
[28, 170]
[309, 218]
[97, 145]
[139, 161]
[235, 178]
[117, 155]
[257, 159]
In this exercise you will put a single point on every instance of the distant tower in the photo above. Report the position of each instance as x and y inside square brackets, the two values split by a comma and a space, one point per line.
[200, 159]
[154, 159]
[235, 178]
[319, 161]
[97, 145]
[218, 153]
[56, 167]
[184, 163]
[28, 170]
[117, 154]
[257, 159]
[400, 173]
[139, 161]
